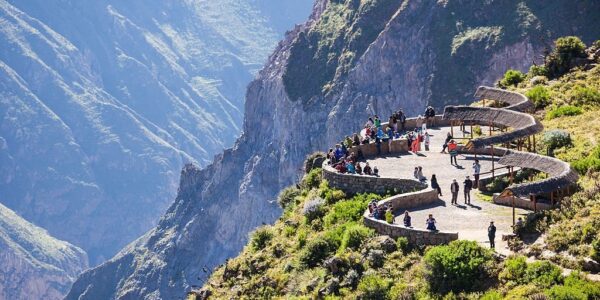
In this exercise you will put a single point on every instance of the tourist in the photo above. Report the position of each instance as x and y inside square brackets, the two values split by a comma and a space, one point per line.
[427, 141]
[519, 227]
[476, 171]
[390, 136]
[331, 156]
[492, 234]
[454, 190]
[467, 186]
[407, 219]
[344, 149]
[419, 122]
[448, 139]
[341, 167]
[402, 119]
[370, 123]
[367, 169]
[430, 223]
[378, 145]
[377, 122]
[436, 185]
[358, 168]
[350, 167]
[395, 122]
[356, 140]
[416, 144]
[375, 171]
[409, 140]
[430, 116]
[453, 150]
[416, 173]
[339, 153]
[348, 141]
[420, 174]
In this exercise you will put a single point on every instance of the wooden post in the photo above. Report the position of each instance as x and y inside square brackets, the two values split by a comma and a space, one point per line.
[492, 148]
[552, 198]
[513, 212]
[529, 144]
[471, 129]
[534, 143]
[452, 128]
[532, 197]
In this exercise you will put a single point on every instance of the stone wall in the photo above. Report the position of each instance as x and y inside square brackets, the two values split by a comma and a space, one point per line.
[370, 150]
[355, 184]
[414, 236]
[405, 201]
[520, 203]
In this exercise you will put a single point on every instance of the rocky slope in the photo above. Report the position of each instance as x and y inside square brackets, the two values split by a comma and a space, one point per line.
[34, 264]
[425, 51]
[103, 102]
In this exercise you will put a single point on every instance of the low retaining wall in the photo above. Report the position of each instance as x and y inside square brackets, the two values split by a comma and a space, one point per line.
[397, 146]
[356, 184]
[414, 236]
[405, 201]
[520, 203]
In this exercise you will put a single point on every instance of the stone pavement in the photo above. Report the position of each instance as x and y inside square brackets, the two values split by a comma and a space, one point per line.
[470, 221]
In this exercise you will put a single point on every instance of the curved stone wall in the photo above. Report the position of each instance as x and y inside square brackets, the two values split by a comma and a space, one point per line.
[515, 101]
[356, 184]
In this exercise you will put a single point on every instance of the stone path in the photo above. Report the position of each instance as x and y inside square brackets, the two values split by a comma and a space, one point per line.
[470, 222]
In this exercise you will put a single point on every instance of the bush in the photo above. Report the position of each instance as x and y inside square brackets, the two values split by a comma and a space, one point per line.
[491, 295]
[560, 292]
[536, 70]
[315, 252]
[596, 250]
[345, 211]
[355, 235]
[577, 281]
[313, 209]
[561, 60]
[543, 273]
[565, 110]
[312, 179]
[514, 271]
[512, 77]
[402, 244]
[389, 217]
[497, 185]
[477, 130]
[539, 95]
[554, 139]
[261, 237]
[585, 95]
[458, 266]
[589, 163]
[288, 196]
[310, 160]
[374, 287]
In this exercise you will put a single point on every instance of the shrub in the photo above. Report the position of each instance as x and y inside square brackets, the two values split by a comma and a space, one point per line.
[512, 77]
[560, 292]
[539, 95]
[514, 271]
[389, 217]
[315, 252]
[288, 196]
[458, 266]
[402, 244]
[310, 160]
[588, 163]
[491, 295]
[536, 70]
[355, 235]
[585, 95]
[543, 273]
[554, 139]
[497, 185]
[561, 60]
[313, 209]
[261, 237]
[477, 130]
[312, 179]
[577, 281]
[596, 250]
[565, 110]
[374, 287]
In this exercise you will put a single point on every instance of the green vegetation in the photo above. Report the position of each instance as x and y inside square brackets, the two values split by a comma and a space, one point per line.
[564, 56]
[512, 77]
[567, 110]
[539, 95]
[260, 238]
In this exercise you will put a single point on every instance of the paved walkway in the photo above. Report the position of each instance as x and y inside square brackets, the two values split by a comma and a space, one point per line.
[470, 222]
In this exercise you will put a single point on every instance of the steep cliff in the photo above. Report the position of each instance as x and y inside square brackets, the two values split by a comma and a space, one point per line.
[103, 102]
[425, 51]
[34, 264]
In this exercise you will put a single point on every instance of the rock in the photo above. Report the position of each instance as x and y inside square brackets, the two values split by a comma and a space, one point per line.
[590, 265]
[351, 279]
[332, 287]
[334, 264]
[203, 294]
[376, 258]
[386, 243]
[312, 284]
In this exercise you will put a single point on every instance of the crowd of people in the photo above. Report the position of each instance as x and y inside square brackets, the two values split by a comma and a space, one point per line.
[378, 211]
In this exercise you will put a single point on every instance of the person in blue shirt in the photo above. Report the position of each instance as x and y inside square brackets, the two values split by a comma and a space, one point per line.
[339, 153]
[350, 168]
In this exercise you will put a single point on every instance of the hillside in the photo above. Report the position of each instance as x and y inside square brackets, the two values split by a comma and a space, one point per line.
[319, 247]
[104, 101]
[35, 264]
[217, 206]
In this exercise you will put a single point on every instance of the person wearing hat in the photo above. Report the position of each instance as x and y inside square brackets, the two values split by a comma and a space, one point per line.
[492, 234]
[467, 186]
[454, 190]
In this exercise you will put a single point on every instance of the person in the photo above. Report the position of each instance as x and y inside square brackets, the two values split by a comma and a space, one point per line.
[435, 185]
[419, 122]
[467, 186]
[378, 145]
[402, 119]
[430, 116]
[420, 174]
[350, 167]
[454, 190]
[339, 153]
[518, 227]
[395, 122]
[427, 141]
[390, 136]
[375, 171]
[416, 173]
[406, 219]
[367, 169]
[377, 122]
[331, 156]
[370, 123]
[452, 149]
[416, 143]
[356, 140]
[430, 223]
[448, 139]
[348, 142]
[476, 171]
[492, 234]
[341, 167]
[358, 169]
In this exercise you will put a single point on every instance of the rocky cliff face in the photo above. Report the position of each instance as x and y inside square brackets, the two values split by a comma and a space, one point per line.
[34, 264]
[425, 52]
[103, 102]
